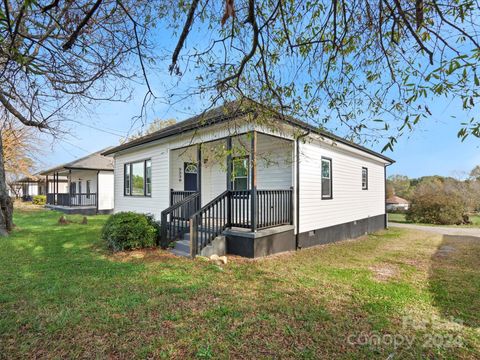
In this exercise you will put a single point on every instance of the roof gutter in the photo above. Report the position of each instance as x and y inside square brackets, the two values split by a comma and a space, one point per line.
[297, 186]
[385, 183]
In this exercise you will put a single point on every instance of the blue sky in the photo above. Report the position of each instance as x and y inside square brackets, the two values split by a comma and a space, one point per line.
[431, 149]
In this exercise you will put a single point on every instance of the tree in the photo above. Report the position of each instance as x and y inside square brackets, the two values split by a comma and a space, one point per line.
[401, 185]
[155, 125]
[21, 146]
[57, 56]
[362, 65]
[475, 173]
[435, 203]
[390, 190]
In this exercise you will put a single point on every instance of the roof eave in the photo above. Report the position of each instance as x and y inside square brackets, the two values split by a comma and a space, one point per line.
[210, 122]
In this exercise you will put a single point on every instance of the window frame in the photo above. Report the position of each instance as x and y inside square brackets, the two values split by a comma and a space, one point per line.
[247, 157]
[129, 166]
[330, 196]
[146, 192]
[364, 168]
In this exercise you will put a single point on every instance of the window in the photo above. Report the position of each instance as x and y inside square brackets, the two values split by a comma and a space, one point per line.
[364, 178]
[240, 173]
[138, 178]
[326, 178]
[79, 186]
[88, 189]
[73, 188]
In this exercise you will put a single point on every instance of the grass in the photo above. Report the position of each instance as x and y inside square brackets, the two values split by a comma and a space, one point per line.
[400, 218]
[63, 295]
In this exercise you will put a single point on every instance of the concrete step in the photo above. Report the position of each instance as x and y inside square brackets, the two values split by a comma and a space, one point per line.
[180, 253]
[182, 245]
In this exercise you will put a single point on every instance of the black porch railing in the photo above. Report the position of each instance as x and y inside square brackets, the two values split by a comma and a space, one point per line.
[78, 199]
[177, 195]
[175, 219]
[233, 208]
[50, 199]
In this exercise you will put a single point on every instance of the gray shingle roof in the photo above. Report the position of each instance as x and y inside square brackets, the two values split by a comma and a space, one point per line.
[94, 161]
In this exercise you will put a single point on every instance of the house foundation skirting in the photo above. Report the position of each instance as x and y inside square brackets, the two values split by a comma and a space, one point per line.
[343, 231]
[261, 243]
[281, 239]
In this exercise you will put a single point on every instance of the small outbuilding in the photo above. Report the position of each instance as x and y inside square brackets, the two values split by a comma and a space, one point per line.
[397, 203]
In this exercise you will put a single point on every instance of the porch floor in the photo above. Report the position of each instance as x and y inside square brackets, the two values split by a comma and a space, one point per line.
[84, 210]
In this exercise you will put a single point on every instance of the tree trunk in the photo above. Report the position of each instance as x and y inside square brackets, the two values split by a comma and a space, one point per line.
[6, 205]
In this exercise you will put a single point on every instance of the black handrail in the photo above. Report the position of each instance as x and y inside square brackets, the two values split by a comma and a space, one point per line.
[179, 195]
[209, 222]
[232, 208]
[74, 199]
[175, 219]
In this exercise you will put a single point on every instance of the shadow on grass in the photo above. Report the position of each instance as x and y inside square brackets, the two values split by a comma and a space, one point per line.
[454, 279]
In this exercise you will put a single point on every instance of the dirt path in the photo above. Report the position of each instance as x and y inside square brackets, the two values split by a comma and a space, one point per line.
[439, 229]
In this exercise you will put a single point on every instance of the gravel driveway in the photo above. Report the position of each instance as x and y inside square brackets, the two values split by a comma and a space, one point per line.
[439, 229]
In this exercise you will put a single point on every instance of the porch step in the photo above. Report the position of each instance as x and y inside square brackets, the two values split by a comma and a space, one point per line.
[182, 247]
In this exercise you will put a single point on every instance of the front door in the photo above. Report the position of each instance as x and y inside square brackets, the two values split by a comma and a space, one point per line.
[190, 176]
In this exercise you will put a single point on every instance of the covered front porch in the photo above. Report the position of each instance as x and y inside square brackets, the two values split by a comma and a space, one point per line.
[243, 184]
[72, 191]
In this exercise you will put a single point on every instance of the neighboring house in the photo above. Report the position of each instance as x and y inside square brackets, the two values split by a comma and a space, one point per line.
[201, 178]
[89, 188]
[397, 203]
[30, 186]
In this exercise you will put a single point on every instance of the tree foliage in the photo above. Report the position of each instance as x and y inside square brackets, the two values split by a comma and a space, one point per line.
[21, 146]
[155, 125]
[372, 66]
[58, 56]
[465, 192]
[433, 202]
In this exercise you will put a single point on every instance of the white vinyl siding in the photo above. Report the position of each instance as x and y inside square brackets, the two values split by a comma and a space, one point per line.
[82, 176]
[105, 190]
[349, 202]
[274, 170]
[159, 200]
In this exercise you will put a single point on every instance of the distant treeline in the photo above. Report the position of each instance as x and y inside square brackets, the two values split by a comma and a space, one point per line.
[438, 193]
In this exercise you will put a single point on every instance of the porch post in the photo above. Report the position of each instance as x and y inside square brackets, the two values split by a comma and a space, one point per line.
[97, 191]
[229, 180]
[46, 185]
[69, 187]
[199, 173]
[55, 187]
[253, 176]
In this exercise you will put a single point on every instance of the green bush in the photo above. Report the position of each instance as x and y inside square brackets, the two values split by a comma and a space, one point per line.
[436, 208]
[39, 199]
[129, 230]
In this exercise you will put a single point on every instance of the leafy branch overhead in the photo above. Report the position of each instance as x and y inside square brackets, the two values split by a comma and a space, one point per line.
[368, 67]
[371, 67]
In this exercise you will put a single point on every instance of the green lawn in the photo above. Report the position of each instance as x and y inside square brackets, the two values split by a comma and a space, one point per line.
[63, 295]
[400, 218]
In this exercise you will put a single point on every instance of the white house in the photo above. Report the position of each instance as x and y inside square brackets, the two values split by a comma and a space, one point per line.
[30, 186]
[89, 188]
[202, 177]
[397, 203]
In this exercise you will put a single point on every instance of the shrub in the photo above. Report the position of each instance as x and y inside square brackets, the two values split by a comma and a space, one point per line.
[39, 199]
[129, 230]
[436, 207]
